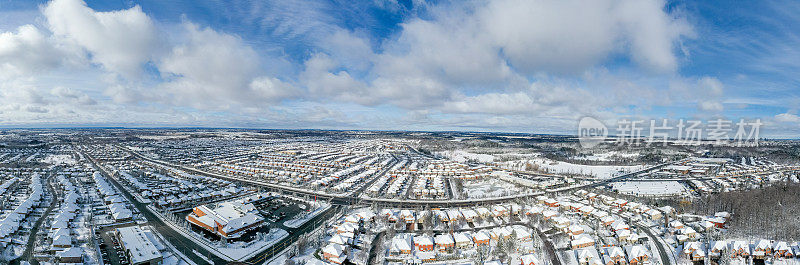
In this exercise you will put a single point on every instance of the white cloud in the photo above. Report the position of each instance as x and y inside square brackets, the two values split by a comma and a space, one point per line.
[121, 41]
[711, 106]
[65, 93]
[273, 89]
[572, 35]
[711, 85]
[322, 83]
[122, 94]
[553, 98]
[495, 103]
[28, 51]
[787, 117]
[451, 49]
[349, 49]
[709, 94]
[504, 63]
[203, 68]
[214, 70]
[493, 50]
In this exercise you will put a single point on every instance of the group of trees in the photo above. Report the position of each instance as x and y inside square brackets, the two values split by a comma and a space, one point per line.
[771, 212]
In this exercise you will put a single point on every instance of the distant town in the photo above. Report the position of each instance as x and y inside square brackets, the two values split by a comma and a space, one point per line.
[228, 196]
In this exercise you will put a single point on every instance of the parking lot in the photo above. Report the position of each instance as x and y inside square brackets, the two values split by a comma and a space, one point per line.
[279, 209]
[275, 211]
[110, 248]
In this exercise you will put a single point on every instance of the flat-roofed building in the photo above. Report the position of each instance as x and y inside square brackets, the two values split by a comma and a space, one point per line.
[137, 246]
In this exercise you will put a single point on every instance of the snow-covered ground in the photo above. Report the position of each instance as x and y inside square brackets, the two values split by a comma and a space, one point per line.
[237, 251]
[242, 251]
[559, 167]
[302, 218]
[463, 156]
[488, 187]
[650, 188]
[607, 156]
[59, 159]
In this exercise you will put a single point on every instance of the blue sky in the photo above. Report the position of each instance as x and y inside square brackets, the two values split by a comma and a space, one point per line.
[500, 65]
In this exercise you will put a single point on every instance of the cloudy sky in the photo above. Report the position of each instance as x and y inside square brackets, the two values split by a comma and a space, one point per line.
[500, 65]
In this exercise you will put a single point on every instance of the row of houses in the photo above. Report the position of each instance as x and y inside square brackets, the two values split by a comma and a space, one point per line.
[116, 204]
[405, 244]
[62, 243]
[346, 235]
[452, 215]
[759, 249]
[13, 220]
[173, 190]
[615, 255]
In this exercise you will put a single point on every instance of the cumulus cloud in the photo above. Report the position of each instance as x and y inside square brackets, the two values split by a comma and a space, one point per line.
[711, 85]
[27, 51]
[200, 67]
[65, 93]
[554, 36]
[214, 70]
[495, 103]
[493, 50]
[322, 81]
[272, 89]
[121, 41]
[710, 91]
[499, 63]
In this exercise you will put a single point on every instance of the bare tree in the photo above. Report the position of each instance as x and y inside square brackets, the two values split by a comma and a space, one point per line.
[302, 244]
[482, 254]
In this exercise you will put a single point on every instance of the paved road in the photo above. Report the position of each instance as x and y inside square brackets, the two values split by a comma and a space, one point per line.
[661, 251]
[294, 235]
[407, 203]
[549, 247]
[187, 246]
[348, 200]
[29, 248]
[374, 246]
[183, 244]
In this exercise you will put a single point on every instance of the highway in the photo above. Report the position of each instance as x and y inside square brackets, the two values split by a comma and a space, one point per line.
[190, 248]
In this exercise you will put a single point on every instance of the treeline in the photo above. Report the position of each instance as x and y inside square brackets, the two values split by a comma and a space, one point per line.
[772, 212]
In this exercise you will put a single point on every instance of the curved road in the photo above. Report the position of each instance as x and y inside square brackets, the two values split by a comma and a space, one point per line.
[349, 200]
[345, 200]
[26, 256]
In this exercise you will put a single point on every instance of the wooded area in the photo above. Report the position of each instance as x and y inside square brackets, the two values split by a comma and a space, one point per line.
[770, 212]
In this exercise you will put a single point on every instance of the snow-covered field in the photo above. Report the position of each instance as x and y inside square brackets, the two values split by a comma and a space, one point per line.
[607, 156]
[463, 156]
[302, 218]
[489, 187]
[650, 188]
[558, 167]
[59, 159]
